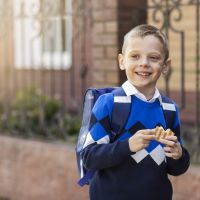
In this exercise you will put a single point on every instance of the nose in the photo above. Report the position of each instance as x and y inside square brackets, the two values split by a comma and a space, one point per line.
[144, 62]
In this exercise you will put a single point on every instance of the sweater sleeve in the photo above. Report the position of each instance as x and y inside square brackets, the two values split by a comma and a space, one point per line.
[180, 166]
[98, 152]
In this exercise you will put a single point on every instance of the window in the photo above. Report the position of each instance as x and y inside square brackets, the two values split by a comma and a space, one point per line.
[42, 34]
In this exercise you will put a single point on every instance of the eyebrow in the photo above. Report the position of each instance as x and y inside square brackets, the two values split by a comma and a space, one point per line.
[137, 51]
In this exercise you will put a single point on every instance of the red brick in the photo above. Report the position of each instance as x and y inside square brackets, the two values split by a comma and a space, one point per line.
[105, 39]
[111, 27]
[112, 77]
[102, 84]
[98, 52]
[99, 76]
[111, 3]
[111, 52]
[96, 4]
[105, 65]
[98, 27]
[105, 15]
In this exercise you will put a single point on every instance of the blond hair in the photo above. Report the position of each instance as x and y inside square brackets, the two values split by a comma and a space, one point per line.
[144, 30]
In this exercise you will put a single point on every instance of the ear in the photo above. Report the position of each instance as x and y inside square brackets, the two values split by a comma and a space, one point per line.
[166, 67]
[121, 61]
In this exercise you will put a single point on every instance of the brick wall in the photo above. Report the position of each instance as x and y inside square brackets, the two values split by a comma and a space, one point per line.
[82, 62]
[104, 49]
[34, 170]
[111, 20]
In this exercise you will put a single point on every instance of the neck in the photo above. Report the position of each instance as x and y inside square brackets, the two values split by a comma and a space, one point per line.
[148, 93]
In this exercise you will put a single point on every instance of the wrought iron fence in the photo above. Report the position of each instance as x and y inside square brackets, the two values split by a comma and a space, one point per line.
[36, 73]
[180, 20]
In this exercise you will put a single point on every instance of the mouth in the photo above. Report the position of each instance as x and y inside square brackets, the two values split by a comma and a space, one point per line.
[143, 74]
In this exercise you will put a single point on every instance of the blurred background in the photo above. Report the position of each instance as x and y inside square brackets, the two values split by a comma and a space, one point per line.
[51, 51]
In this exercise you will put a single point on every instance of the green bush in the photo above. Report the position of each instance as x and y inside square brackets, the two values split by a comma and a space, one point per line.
[34, 114]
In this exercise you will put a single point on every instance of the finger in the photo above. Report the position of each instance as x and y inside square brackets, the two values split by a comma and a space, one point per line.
[149, 137]
[174, 151]
[170, 155]
[172, 138]
[148, 132]
[168, 142]
[168, 149]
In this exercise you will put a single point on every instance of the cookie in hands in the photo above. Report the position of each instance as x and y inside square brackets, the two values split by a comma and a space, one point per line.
[161, 133]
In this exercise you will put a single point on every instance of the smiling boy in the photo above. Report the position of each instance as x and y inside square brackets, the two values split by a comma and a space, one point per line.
[136, 166]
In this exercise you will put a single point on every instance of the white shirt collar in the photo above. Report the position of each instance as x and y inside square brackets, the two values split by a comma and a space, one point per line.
[131, 90]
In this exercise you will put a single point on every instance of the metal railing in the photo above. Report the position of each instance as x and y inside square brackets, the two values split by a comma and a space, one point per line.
[36, 72]
[180, 20]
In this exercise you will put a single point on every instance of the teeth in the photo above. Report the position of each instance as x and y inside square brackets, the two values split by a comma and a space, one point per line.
[143, 73]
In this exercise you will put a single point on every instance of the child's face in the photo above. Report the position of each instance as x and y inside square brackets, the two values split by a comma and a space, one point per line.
[143, 61]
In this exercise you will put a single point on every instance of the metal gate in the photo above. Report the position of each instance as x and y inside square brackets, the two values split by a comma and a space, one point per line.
[180, 20]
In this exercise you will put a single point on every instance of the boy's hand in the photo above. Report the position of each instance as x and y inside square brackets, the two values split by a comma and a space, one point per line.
[173, 148]
[141, 139]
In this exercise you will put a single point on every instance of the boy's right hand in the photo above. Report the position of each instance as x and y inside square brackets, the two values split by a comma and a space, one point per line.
[141, 139]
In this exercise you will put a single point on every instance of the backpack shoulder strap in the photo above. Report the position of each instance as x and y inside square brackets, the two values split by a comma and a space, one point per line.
[121, 111]
[88, 103]
[91, 95]
[169, 111]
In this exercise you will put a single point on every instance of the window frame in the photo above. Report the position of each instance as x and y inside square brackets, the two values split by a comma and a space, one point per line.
[29, 50]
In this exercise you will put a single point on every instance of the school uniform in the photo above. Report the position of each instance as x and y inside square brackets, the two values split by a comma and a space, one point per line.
[120, 173]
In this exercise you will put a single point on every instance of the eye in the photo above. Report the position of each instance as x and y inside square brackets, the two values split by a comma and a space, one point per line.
[135, 56]
[154, 58]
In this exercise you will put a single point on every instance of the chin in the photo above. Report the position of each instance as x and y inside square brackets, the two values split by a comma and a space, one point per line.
[144, 85]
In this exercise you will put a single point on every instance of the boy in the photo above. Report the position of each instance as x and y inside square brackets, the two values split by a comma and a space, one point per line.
[135, 165]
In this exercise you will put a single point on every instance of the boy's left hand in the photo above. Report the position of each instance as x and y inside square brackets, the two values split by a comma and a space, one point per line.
[173, 148]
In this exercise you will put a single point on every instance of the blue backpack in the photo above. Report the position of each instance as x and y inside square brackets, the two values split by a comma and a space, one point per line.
[118, 122]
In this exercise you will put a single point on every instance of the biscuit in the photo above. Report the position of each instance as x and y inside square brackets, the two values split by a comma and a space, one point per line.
[160, 133]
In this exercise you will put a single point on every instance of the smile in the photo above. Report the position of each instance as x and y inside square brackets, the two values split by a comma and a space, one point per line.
[144, 74]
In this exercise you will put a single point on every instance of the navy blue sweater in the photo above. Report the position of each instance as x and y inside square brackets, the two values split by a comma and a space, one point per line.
[121, 174]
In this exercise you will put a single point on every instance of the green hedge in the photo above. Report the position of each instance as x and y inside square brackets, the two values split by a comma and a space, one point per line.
[33, 114]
